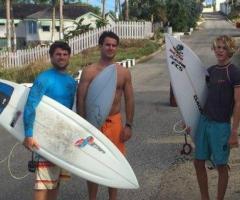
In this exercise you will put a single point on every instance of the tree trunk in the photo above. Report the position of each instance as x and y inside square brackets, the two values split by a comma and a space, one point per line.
[8, 25]
[103, 9]
[53, 22]
[13, 29]
[116, 9]
[61, 19]
[120, 10]
[126, 10]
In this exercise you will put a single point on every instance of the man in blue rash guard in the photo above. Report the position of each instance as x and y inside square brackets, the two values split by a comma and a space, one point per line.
[60, 86]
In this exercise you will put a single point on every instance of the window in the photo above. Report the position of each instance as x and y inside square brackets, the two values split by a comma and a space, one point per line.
[46, 28]
[32, 27]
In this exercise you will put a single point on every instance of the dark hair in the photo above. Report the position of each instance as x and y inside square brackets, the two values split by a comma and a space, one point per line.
[61, 45]
[107, 34]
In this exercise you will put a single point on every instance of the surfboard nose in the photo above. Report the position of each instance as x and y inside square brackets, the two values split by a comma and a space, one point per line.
[127, 180]
[134, 183]
[130, 180]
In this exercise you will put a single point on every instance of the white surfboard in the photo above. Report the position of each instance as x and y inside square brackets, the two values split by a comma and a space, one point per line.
[236, 58]
[187, 75]
[100, 96]
[66, 139]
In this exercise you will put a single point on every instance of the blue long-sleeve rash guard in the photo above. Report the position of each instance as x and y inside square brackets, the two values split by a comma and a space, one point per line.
[55, 84]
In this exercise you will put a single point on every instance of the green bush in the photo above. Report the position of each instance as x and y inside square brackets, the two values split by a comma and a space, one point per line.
[25, 74]
[148, 49]
[159, 33]
[235, 13]
[183, 14]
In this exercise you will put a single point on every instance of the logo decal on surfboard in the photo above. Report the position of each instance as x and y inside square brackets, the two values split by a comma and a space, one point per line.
[180, 48]
[88, 140]
[15, 118]
[196, 99]
[177, 57]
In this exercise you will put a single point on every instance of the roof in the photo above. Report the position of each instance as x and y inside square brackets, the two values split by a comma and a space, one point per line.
[92, 14]
[33, 11]
[20, 11]
[68, 13]
[109, 14]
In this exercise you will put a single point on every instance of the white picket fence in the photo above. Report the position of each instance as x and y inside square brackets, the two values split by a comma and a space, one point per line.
[125, 30]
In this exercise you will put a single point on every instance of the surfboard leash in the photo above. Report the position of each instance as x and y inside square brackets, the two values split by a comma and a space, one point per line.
[187, 147]
[3, 160]
[9, 164]
[179, 123]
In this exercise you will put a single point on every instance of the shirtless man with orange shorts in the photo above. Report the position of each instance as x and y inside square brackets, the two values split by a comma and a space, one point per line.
[113, 127]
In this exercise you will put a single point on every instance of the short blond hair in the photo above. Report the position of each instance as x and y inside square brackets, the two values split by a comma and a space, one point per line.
[228, 41]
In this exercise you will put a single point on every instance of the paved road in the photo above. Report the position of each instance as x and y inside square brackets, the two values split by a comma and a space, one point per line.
[153, 147]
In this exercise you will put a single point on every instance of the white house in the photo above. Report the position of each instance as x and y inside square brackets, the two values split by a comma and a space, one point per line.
[38, 26]
[3, 26]
[110, 18]
[225, 7]
[218, 4]
[34, 22]
[20, 11]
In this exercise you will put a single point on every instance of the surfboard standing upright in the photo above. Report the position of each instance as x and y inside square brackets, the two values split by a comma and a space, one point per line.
[187, 75]
[72, 143]
[100, 96]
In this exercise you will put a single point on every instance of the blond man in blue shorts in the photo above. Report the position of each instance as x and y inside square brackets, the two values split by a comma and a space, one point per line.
[216, 134]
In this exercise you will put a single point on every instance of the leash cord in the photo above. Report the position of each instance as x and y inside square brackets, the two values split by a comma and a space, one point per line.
[9, 164]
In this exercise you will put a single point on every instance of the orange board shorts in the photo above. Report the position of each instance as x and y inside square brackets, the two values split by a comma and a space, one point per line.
[112, 129]
[49, 175]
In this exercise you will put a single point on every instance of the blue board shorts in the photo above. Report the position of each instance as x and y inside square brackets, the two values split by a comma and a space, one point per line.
[211, 141]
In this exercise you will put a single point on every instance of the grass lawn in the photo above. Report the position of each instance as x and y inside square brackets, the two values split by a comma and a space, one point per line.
[127, 49]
